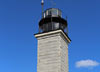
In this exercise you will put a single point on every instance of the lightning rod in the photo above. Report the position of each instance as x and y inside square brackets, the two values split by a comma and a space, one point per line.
[42, 4]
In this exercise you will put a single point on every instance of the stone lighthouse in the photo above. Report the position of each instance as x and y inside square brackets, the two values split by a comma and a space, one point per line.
[53, 40]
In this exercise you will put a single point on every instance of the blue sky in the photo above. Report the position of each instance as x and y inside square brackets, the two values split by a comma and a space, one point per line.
[19, 21]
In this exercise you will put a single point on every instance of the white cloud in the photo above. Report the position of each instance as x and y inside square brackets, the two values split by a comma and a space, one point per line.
[86, 63]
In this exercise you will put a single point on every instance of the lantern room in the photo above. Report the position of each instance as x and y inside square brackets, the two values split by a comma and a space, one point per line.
[52, 20]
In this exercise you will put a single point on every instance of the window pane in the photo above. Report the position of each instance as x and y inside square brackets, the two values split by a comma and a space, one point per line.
[54, 12]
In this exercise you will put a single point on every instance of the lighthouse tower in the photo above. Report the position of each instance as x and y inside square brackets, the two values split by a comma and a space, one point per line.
[53, 40]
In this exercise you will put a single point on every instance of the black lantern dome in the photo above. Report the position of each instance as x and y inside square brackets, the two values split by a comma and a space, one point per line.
[52, 20]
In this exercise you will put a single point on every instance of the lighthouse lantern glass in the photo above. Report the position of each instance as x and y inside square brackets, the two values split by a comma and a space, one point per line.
[52, 12]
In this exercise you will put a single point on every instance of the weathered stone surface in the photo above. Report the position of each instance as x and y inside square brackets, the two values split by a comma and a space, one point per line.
[52, 53]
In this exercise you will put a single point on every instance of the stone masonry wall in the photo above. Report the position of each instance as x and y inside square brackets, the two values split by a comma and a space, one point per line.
[52, 53]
